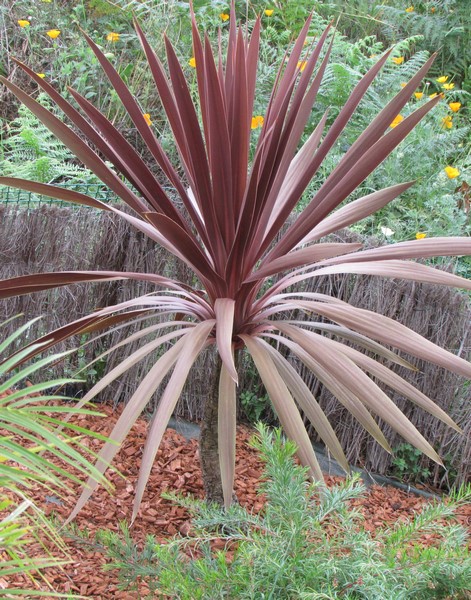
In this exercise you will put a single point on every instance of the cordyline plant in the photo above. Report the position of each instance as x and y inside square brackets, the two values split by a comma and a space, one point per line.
[228, 233]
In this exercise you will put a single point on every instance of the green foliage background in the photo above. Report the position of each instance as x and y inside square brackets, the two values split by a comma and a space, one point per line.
[436, 205]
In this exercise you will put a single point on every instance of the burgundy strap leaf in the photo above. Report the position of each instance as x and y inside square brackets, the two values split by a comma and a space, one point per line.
[304, 256]
[284, 404]
[37, 282]
[128, 417]
[131, 163]
[308, 403]
[355, 211]
[135, 113]
[339, 387]
[186, 245]
[171, 110]
[323, 204]
[396, 382]
[52, 191]
[358, 339]
[82, 124]
[361, 385]
[219, 149]
[391, 332]
[399, 269]
[198, 165]
[424, 248]
[297, 118]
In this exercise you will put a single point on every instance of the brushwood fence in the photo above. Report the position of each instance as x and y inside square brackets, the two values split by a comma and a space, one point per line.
[51, 237]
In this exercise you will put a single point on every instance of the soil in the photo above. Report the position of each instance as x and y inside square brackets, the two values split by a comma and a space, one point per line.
[176, 469]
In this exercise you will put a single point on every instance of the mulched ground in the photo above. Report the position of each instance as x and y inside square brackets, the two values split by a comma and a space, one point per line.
[176, 469]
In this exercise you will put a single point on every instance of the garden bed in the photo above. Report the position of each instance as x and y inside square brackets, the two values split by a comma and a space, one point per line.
[176, 469]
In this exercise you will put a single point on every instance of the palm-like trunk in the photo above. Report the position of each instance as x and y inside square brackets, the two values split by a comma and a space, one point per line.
[208, 448]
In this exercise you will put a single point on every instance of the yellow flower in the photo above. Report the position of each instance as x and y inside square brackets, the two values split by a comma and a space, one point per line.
[447, 122]
[448, 86]
[455, 106]
[53, 33]
[23, 23]
[224, 16]
[420, 235]
[398, 60]
[269, 12]
[434, 95]
[302, 65]
[451, 172]
[442, 79]
[403, 85]
[192, 62]
[409, 9]
[396, 121]
[147, 118]
[42, 75]
[433, 9]
[418, 95]
[113, 37]
[257, 122]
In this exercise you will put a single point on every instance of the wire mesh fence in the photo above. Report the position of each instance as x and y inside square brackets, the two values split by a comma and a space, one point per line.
[29, 200]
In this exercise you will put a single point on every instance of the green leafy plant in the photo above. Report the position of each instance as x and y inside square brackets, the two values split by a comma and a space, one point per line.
[29, 427]
[406, 464]
[228, 227]
[299, 547]
[254, 406]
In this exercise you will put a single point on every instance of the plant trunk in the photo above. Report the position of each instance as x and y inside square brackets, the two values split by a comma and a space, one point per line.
[208, 447]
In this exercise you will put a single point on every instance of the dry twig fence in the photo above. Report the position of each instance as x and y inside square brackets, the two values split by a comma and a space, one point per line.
[54, 238]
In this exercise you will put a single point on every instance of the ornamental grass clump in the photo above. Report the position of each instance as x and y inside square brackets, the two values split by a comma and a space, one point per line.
[228, 226]
[29, 416]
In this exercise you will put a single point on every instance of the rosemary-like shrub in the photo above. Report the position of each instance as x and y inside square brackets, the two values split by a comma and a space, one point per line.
[299, 547]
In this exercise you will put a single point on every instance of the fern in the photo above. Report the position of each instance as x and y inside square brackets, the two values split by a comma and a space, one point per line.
[445, 30]
[31, 151]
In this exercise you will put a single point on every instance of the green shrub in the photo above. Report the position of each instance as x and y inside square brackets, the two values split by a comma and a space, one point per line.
[253, 405]
[300, 547]
[440, 26]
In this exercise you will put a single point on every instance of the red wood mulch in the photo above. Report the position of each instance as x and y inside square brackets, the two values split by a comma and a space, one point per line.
[176, 469]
